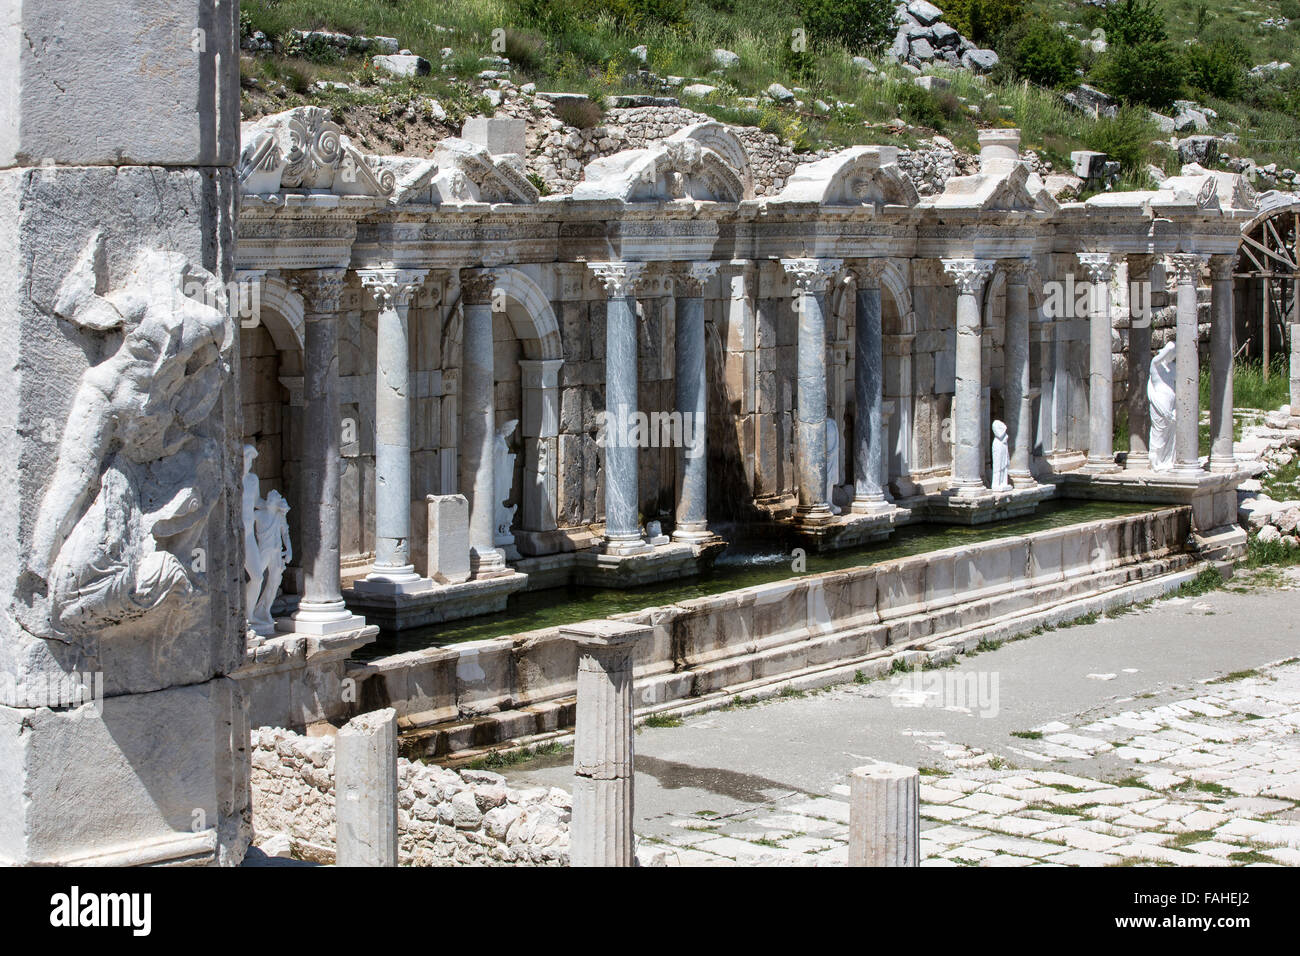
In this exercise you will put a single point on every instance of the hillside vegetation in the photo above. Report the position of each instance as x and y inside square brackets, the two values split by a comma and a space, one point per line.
[1154, 51]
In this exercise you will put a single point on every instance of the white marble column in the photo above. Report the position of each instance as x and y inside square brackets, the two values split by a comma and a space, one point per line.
[603, 743]
[811, 277]
[970, 275]
[1186, 269]
[393, 572]
[622, 527]
[1139, 365]
[693, 404]
[1016, 376]
[321, 609]
[885, 816]
[478, 423]
[868, 391]
[365, 790]
[1099, 267]
[1221, 353]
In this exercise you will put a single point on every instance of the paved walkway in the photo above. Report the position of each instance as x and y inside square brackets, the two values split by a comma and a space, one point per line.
[1166, 735]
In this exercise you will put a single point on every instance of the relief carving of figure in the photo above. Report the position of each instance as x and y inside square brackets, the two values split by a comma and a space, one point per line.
[1001, 457]
[119, 529]
[1163, 398]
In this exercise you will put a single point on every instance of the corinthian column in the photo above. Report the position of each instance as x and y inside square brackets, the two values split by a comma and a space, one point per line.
[693, 405]
[868, 391]
[1187, 270]
[811, 277]
[967, 460]
[478, 423]
[1221, 352]
[393, 572]
[622, 527]
[1100, 269]
[1139, 363]
[1020, 427]
[321, 609]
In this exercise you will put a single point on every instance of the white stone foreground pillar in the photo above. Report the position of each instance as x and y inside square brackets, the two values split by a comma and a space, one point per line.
[884, 816]
[692, 524]
[365, 790]
[601, 831]
[122, 739]
[811, 278]
[967, 404]
[1100, 269]
[622, 529]
[1186, 270]
[1222, 324]
[1016, 376]
[478, 424]
[393, 572]
[321, 609]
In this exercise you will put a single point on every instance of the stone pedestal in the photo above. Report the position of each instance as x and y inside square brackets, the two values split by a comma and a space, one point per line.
[601, 831]
[1221, 355]
[811, 277]
[622, 529]
[448, 548]
[693, 403]
[1186, 270]
[478, 424]
[967, 459]
[884, 816]
[365, 790]
[393, 571]
[1100, 270]
[122, 569]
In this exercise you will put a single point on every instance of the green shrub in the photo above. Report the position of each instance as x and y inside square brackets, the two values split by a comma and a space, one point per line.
[1125, 137]
[1290, 9]
[1133, 22]
[920, 107]
[1216, 68]
[524, 50]
[1041, 52]
[580, 13]
[584, 114]
[1150, 73]
[855, 23]
[983, 21]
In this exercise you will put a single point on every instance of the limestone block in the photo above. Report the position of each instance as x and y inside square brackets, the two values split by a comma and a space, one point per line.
[499, 134]
[365, 772]
[448, 548]
[83, 89]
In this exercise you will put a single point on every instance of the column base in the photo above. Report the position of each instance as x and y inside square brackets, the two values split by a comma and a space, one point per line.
[1137, 461]
[870, 504]
[1223, 463]
[964, 488]
[814, 516]
[1100, 466]
[1187, 469]
[624, 545]
[332, 617]
[694, 533]
[487, 563]
[394, 580]
[1022, 479]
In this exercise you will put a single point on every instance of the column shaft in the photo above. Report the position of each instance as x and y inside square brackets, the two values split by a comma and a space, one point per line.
[1187, 269]
[1221, 353]
[967, 464]
[1016, 390]
[478, 425]
[692, 404]
[1139, 364]
[1100, 269]
[810, 277]
[868, 392]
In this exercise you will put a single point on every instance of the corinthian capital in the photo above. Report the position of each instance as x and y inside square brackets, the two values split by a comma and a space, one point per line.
[1100, 266]
[811, 275]
[690, 281]
[866, 273]
[1185, 266]
[321, 289]
[476, 286]
[969, 275]
[1222, 267]
[618, 278]
[392, 288]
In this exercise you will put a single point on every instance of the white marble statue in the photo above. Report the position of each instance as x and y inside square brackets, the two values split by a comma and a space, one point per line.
[122, 527]
[1001, 457]
[1163, 399]
[832, 463]
[504, 475]
[267, 550]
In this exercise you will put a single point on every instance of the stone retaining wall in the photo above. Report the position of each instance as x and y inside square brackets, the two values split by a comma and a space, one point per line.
[445, 817]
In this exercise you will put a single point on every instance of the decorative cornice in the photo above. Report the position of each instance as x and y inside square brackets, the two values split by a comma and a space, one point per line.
[618, 279]
[392, 288]
[1100, 266]
[321, 289]
[1185, 266]
[969, 275]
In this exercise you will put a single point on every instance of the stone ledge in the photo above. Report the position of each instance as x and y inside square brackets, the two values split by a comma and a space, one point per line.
[442, 602]
[984, 507]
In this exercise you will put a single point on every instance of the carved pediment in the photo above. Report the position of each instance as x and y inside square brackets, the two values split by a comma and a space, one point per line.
[860, 175]
[1013, 191]
[302, 150]
[671, 170]
[467, 172]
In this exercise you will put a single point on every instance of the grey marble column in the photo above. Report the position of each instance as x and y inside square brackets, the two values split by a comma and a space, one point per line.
[811, 277]
[1100, 270]
[970, 275]
[868, 392]
[393, 572]
[478, 423]
[321, 609]
[1016, 389]
[1139, 364]
[1221, 353]
[603, 743]
[693, 404]
[622, 493]
[1186, 269]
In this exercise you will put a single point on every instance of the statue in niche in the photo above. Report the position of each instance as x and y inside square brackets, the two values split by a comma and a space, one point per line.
[1163, 399]
[1001, 457]
[504, 475]
[267, 551]
[832, 463]
[118, 535]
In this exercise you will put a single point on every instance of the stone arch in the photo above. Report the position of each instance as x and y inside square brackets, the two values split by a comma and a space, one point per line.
[722, 140]
[284, 317]
[533, 320]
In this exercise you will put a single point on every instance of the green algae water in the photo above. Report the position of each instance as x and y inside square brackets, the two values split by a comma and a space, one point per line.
[531, 610]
